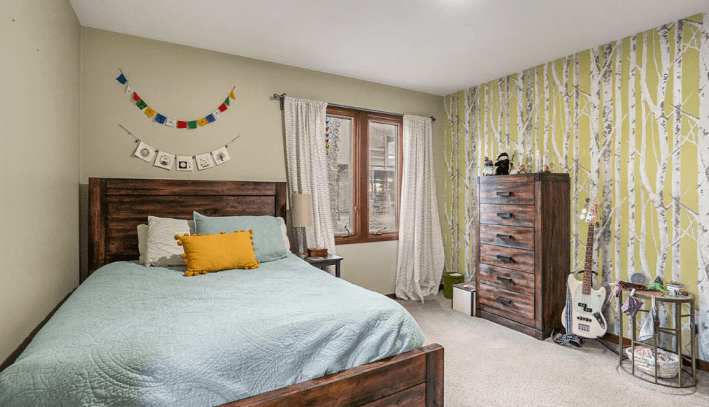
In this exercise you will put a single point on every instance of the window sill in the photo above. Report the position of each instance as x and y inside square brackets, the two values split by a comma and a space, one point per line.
[368, 239]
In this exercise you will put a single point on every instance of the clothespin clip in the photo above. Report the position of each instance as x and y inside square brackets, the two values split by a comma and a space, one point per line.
[632, 293]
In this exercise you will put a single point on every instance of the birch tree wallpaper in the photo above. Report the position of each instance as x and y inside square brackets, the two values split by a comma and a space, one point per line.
[629, 122]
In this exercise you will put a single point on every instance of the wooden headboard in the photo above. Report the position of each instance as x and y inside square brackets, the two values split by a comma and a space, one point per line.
[117, 206]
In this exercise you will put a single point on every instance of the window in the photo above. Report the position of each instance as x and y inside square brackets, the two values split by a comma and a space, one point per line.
[364, 160]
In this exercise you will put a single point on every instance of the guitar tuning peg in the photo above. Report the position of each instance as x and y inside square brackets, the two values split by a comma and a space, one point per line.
[584, 210]
[582, 217]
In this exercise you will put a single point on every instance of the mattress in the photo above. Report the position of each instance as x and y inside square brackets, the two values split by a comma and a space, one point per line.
[148, 336]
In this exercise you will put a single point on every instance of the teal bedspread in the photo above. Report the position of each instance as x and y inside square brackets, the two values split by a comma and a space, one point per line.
[148, 336]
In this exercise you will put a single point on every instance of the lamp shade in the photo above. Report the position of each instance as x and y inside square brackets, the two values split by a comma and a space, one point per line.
[302, 210]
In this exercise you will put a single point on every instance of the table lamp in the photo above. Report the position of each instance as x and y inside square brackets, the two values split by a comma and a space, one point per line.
[302, 217]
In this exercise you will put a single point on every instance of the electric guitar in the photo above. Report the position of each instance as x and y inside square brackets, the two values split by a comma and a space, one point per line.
[587, 320]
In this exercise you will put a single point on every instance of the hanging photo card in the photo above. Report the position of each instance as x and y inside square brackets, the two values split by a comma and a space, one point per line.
[144, 152]
[184, 163]
[204, 161]
[164, 160]
[220, 155]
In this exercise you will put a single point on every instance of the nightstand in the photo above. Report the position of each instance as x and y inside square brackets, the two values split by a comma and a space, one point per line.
[322, 262]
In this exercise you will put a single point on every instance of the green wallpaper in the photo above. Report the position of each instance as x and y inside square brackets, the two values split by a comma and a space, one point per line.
[629, 122]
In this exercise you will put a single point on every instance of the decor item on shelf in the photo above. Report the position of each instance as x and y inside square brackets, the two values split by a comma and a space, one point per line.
[317, 252]
[667, 362]
[502, 166]
[166, 160]
[488, 168]
[522, 169]
[164, 120]
[675, 288]
[638, 278]
[450, 279]
[302, 217]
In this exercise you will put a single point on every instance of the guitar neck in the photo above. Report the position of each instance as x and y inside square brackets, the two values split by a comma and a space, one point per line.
[587, 270]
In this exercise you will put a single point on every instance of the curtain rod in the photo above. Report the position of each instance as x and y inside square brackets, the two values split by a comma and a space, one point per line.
[281, 97]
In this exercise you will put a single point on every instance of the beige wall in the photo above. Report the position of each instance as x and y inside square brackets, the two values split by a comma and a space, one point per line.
[188, 83]
[39, 194]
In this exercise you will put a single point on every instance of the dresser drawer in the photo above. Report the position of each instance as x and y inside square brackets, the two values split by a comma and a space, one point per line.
[507, 257]
[513, 280]
[508, 236]
[507, 193]
[510, 215]
[513, 305]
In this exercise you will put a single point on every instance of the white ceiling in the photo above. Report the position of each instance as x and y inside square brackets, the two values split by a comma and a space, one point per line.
[434, 46]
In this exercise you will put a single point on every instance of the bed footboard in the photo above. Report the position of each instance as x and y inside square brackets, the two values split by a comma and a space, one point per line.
[414, 378]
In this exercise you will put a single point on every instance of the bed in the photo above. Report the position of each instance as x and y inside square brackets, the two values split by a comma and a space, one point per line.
[168, 340]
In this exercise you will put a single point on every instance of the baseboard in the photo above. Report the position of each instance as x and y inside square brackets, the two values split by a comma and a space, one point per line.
[613, 338]
[17, 352]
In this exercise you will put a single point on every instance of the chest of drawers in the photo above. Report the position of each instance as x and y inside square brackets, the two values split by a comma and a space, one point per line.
[523, 243]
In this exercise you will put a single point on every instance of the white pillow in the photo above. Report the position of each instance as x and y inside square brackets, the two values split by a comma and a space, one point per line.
[284, 230]
[162, 249]
[143, 239]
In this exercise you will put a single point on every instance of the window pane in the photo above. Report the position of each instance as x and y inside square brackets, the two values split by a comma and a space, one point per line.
[338, 140]
[383, 176]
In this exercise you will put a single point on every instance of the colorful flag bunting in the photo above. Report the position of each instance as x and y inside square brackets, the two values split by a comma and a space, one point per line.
[162, 119]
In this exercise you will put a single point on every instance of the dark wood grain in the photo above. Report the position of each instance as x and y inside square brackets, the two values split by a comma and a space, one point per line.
[507, 236]
[118, 206]
[507, 193]
[508, 279]
[353, 387]
[508, 215]
[434, 375]
[508, 301]
[413, 396]
[547, 215]
[518, 259]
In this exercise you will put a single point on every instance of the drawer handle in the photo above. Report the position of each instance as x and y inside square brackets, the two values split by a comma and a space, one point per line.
[504, 215]
[504, 237]
[499, 193]
[505, 258]
[505, 301]
[504, 279]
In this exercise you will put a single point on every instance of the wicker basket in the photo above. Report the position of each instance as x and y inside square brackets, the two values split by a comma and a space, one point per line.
[668, 363]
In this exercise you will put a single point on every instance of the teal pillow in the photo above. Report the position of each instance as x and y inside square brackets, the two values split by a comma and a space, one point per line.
[268, 238]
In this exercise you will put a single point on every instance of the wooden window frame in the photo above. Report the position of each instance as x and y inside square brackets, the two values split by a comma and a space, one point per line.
[360, 173]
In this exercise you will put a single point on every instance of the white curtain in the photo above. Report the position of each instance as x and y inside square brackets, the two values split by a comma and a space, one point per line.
[307, 165]
[420, 266]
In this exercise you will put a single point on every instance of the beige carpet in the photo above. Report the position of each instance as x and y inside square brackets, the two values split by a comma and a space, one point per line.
[489, 365]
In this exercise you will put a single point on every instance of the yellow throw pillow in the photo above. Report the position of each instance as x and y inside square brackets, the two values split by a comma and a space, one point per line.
[226, 251]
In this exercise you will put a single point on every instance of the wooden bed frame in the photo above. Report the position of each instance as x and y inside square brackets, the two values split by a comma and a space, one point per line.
[118, 206]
